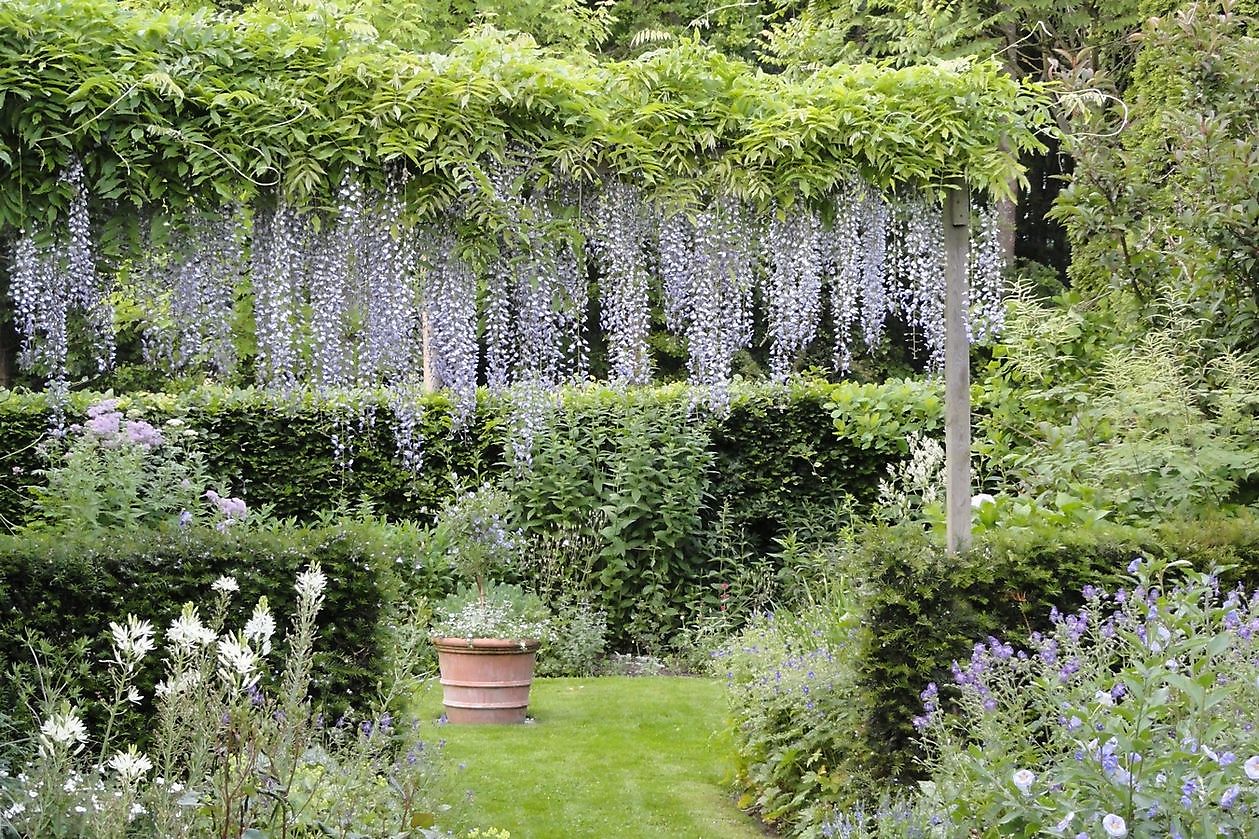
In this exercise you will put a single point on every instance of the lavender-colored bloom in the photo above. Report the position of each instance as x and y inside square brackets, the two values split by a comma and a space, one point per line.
[141, 433]
[1187, 792]
[1229, 798]
[617, 237]
[1049, 652]
[792, 286]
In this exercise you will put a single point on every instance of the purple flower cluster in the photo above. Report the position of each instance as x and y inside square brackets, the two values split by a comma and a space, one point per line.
[617, 236]
[107, 426]
[231, 509]
[792, 286]
[54, 276]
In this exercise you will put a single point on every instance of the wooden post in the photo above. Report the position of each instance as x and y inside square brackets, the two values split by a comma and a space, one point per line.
[956, 371]
[426, 346]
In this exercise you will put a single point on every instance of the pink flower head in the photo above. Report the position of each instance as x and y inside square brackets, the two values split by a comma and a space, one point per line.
[104, 425]
[143, 434]
[107, 406]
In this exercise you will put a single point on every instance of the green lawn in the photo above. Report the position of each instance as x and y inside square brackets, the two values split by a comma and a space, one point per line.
[612, 758]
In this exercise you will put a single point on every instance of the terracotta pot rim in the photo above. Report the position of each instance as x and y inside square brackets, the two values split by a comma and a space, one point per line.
[497, 645]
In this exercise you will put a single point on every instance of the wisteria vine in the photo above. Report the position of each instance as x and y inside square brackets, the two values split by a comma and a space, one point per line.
[362, 294]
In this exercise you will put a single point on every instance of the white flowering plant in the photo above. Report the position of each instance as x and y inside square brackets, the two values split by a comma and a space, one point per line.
[235, 747]
[913, 487]
[1134, 717]
[498, 611]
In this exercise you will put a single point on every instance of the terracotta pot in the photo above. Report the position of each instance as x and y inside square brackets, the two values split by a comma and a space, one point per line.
[485, 680]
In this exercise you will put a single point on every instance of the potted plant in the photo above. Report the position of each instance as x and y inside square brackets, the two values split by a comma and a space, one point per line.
[486, 635]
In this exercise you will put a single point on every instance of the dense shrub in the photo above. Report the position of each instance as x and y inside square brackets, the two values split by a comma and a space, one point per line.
[920, 610]
[682, 496]
[57, 588]
[779, 451]
[796, 705]
[1132, 717]
[1164, 209]
[925, 608]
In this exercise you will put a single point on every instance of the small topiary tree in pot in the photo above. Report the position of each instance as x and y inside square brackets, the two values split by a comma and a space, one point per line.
[487, 634]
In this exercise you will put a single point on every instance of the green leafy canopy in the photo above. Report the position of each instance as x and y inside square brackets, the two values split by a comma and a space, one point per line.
[167, 107]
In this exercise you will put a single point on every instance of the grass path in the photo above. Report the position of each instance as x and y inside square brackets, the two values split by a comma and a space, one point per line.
[607, 758]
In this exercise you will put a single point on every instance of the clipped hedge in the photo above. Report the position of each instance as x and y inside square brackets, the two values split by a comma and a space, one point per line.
[669, 479]
[842, 732]
[925, 609]
[57, 588]
[779, 453]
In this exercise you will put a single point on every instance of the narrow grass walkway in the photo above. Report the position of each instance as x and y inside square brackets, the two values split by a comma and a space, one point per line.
[607, 758]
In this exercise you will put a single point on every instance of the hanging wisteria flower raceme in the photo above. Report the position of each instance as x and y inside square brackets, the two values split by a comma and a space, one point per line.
[360, 295]
[450, 312]
[986, 270]
[54, 278]
[188, 278]
[916, 266]
[1133, 717]
[792, 286]
[617, 236]
[708, 271]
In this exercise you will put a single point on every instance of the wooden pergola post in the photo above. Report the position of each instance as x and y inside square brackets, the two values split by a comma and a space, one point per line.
[956, 370]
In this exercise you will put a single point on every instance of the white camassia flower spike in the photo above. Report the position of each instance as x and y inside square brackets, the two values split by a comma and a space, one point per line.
[225, 585]
[187, 630]
[311, 583]
[237, 661]
[261, 626]
[133, 641]
[64, 729]
[130, 765]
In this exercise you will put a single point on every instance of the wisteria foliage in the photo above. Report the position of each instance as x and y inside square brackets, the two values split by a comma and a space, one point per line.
[361, 294]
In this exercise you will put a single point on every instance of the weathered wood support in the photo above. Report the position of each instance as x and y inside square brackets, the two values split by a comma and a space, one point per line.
[957, 371]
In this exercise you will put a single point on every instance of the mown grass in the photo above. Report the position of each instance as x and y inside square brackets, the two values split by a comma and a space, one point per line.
[612, 757]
